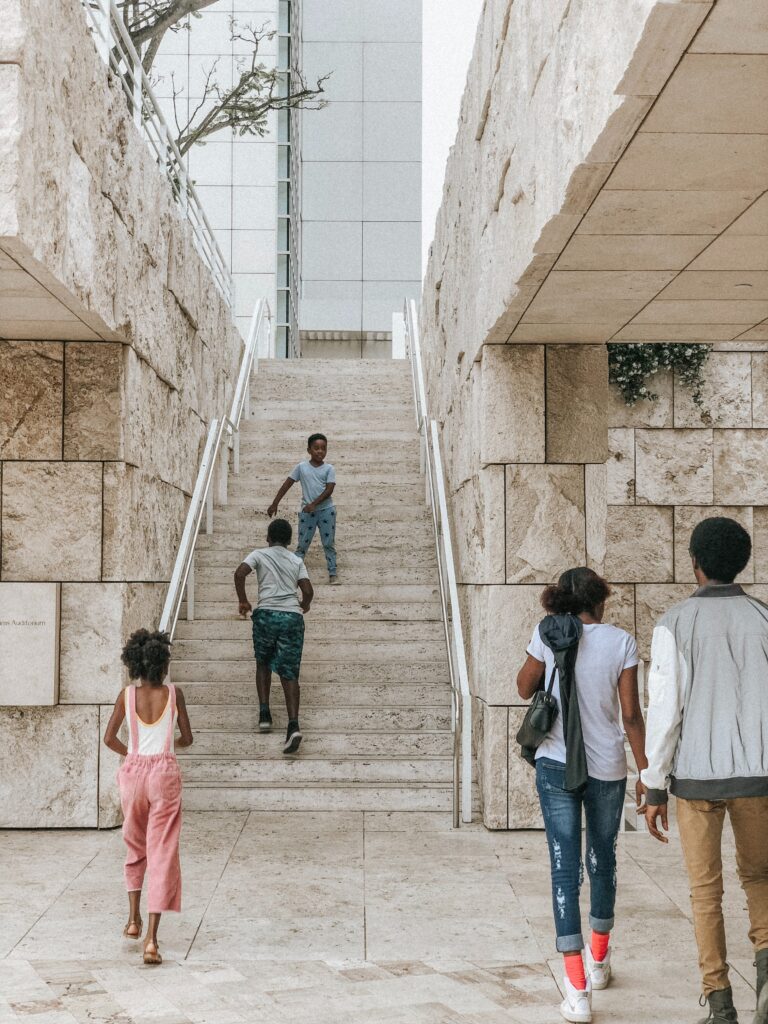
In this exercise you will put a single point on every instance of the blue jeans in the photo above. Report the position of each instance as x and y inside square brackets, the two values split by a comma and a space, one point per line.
[603, 804]
[325, 520]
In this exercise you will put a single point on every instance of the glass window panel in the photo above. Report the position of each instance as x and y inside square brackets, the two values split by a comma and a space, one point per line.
[281, 346]
[285, 17]
[283, 234]
[283, 161]
[283, 125]
[283, 271]
[282, 306]
[284, 52]
[283, 197]
[282, 83]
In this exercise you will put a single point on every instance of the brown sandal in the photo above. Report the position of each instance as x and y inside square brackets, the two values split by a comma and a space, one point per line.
[152, 958]
[133, 924]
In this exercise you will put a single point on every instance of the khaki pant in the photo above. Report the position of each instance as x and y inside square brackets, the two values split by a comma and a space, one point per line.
[701, 831]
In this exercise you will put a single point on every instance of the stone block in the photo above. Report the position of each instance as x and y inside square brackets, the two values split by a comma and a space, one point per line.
[666, 34]
[499, 622]
[478, 511]
[673, 467]
[51, 521]
[577, 398]
[29, 644]
[621, 467]
[620, 607]
[726, 394]
[760, 545]
[760, 389]
[688, 516]
[30, 412]
[493, 767]
[54, 753]
[645, 413]
[524, 808]
[741, 467]
[639, 545]
[596, 510]
[93, 406]
[143, 522]
[652, 601]
[512, 410]
[110, 813]
[546, 528]
[96, 620]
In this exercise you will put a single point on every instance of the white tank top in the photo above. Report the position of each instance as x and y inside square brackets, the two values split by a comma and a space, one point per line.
[156, 738]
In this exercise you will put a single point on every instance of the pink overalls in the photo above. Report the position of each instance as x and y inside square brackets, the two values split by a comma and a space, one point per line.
[150, 794]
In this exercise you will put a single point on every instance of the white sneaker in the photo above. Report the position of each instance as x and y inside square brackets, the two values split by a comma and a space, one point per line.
[598, 971]
[577, 1005]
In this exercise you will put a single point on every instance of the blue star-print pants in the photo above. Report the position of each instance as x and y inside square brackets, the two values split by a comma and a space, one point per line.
[324, 520]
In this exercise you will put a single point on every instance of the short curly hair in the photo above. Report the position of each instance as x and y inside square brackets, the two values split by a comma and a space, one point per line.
[721, 547]
[280, 531]
[146, 655]
[578, 590]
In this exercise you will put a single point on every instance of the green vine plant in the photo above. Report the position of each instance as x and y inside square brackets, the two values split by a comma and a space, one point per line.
[630, 367]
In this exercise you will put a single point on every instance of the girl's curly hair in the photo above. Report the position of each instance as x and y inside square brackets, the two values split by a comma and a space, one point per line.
[146, 655]
[577, 590]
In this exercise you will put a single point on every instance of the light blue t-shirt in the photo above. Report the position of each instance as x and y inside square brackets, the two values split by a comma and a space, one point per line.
[314, 480]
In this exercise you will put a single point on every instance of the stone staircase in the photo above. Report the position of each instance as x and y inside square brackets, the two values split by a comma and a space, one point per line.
[375, 699]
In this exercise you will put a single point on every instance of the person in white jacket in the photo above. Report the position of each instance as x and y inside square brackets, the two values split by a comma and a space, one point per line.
[707, 742]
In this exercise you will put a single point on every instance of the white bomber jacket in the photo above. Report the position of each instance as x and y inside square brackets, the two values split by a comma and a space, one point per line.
[707, 730]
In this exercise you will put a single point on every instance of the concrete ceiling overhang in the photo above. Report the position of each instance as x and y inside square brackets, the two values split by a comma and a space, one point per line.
[671, 242]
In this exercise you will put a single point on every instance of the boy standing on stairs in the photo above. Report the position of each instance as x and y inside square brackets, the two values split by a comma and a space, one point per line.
[318, 480]
[278, 623]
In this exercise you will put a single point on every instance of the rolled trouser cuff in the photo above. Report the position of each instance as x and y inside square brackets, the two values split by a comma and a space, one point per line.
[602, 924]
[570, 943]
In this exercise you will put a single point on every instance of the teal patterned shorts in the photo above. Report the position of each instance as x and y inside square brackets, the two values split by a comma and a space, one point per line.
[278, 640]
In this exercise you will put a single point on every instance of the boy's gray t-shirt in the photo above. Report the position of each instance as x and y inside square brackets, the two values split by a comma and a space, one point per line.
[314, 480]
[278, 571]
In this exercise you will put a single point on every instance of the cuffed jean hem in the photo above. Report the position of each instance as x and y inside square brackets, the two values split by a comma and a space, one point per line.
[570, 943]
[602, 924]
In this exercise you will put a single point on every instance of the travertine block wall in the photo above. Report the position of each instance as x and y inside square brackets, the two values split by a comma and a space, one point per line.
[99, 439]
[672, 464]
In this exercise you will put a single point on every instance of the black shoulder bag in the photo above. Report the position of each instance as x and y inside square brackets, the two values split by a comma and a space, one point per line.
[538, 721]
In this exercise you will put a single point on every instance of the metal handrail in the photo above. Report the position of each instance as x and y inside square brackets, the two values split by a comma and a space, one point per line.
[115, 46]
[221, 432]
[432, 467]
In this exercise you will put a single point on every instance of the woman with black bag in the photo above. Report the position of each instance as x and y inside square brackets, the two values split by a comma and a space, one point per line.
[582, 674]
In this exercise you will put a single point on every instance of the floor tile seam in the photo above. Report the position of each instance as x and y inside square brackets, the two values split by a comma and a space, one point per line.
[192, 941]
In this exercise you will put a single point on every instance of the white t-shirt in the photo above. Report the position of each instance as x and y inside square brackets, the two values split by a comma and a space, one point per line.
[604, 652]
[278, 571]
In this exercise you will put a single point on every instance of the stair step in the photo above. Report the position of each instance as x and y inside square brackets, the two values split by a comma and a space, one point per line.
[351, 614]
[316, 672]
[354, 560]
[321, 650]
[350, 797]
[234, 628]
[349, 575]
[244, 718]
[327, 694]
[416, 542]
[299, 770]
[343, 745]
[358, 517]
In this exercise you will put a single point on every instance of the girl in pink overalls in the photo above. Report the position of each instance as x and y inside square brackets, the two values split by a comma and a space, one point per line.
[150, 782]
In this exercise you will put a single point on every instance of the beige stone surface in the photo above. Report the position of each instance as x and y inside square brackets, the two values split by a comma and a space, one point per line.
[734, 26]
[51, 521]
[29, 644]
[545, 523]
[479, 523]
[30, 410]
[760, 389]
[620, 607]
[93, 401]
[54, 753]
[109, 811]
[500, 621]
[652, 601]
[726, 395]
[96, 620]
[143, 521]
[760, 547]
[741, 467]
[621, 467]
[639, 546]
[631, 252]
[596, 510]
[524, 808]
[512, 411]
[644, 413]
[673, 467]
[494, 727]
[577, 392]
[687, 517]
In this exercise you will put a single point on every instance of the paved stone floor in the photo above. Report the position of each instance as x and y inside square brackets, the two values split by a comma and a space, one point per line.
[337, 918]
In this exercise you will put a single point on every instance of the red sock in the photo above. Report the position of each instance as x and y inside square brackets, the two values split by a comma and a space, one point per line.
[574, 968]
[599, 945]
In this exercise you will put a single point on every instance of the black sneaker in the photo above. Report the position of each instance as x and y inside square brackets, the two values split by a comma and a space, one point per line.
[292, 738]
[265, 719]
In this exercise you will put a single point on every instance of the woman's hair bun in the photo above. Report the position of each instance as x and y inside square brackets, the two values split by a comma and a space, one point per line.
[146, 655]
[577, 590]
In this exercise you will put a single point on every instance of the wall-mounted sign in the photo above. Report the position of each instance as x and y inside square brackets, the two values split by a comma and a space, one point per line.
[29, 644]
